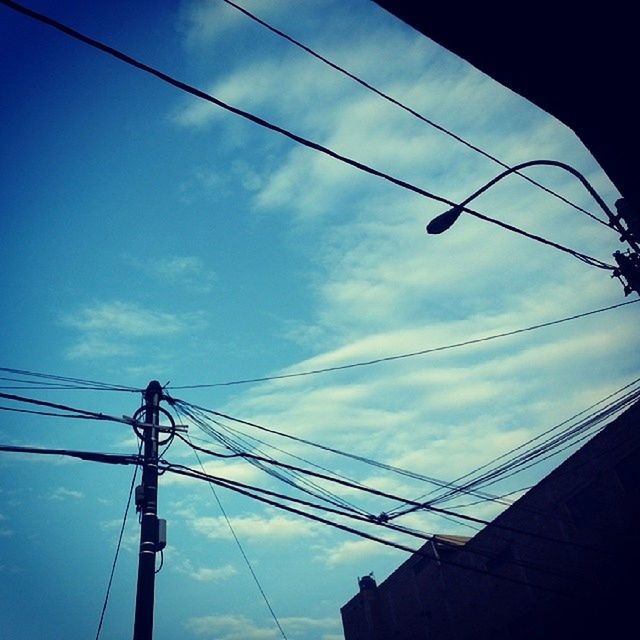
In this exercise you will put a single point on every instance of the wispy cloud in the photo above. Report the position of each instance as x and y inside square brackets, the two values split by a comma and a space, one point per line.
[306, 625]
[229, 627]
[238, 471]
[204, 22]
[254, 527]
[5, 532]
[239, 627]
[110, 329]
[61, 493]
[205, 574]
[131, 537]
[187, 272]
[124, 318]
[352, 552]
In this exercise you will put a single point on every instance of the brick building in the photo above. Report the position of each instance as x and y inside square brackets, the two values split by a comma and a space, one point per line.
[562, 561]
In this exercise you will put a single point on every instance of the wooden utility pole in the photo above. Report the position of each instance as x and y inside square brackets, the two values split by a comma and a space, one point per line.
[147, 501]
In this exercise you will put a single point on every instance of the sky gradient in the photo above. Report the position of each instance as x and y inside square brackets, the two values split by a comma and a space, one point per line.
[149, 235]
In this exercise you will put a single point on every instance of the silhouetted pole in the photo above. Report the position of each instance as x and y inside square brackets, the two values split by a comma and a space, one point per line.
[143, 626]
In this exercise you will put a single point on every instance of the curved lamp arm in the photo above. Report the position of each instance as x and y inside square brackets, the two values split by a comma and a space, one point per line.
[445, 220]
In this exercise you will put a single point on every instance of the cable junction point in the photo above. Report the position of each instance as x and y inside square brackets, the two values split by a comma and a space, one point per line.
[180, 428]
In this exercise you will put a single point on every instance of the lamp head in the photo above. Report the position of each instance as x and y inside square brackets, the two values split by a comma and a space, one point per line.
[442, 222]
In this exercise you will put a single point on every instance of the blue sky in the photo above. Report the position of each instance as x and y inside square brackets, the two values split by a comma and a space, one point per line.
[149, 235]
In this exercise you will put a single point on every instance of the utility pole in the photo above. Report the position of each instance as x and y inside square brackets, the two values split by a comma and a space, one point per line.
[147, 502]
[628, 270]
[153, 531]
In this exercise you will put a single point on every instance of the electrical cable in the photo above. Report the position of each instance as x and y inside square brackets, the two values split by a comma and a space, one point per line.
[89, 415]
[300, 459]
[42, 413]
[83, 384]
[403, 472]
[345, 482]
[504, 496]
[528, 564]
[242, 551]
[455, 485]
[316, 490]
[60, 387]
[288, 134]
[534, 439]
[591, 420]
[438, 510]
[368, 519]
[117, 553]
[521, 468]
[404, 107]
[248, 456]
[159, 569]
[290, 475]
[401, 356]
[91, 456]
[348, 529]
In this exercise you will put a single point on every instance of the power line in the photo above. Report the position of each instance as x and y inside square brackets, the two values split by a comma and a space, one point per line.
[622, 405]
[592, 419]
[454, 486]
[82, 413]
[117, 552]
[289, 475]
[315, 474]
[234, 487]
[242, 488]
[534, 455]
[530, 456]
[242, 552]
[346, 482]
[352, 456]
[80, 382]
[42, 413]
[422, 352]
[91, 456]
[368, 519]
[404, 107]
[297, 470]
[503, 496]
[288, 134]
[529, 460]
[429, 507]
[58, 387]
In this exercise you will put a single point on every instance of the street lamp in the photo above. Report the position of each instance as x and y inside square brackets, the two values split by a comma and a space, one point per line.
[628, 263]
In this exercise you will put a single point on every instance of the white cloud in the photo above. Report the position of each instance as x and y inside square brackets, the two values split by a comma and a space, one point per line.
[61, 493]
[237, 471]
[253, 527]
[205, 22]
[10, 570]
[125, 319]
[110, 329]
[353, 552]
[5, 532]
[205, 574]
[303, 624]
[98, 347]
[187, 272]
[131, 537]
[229, 627]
